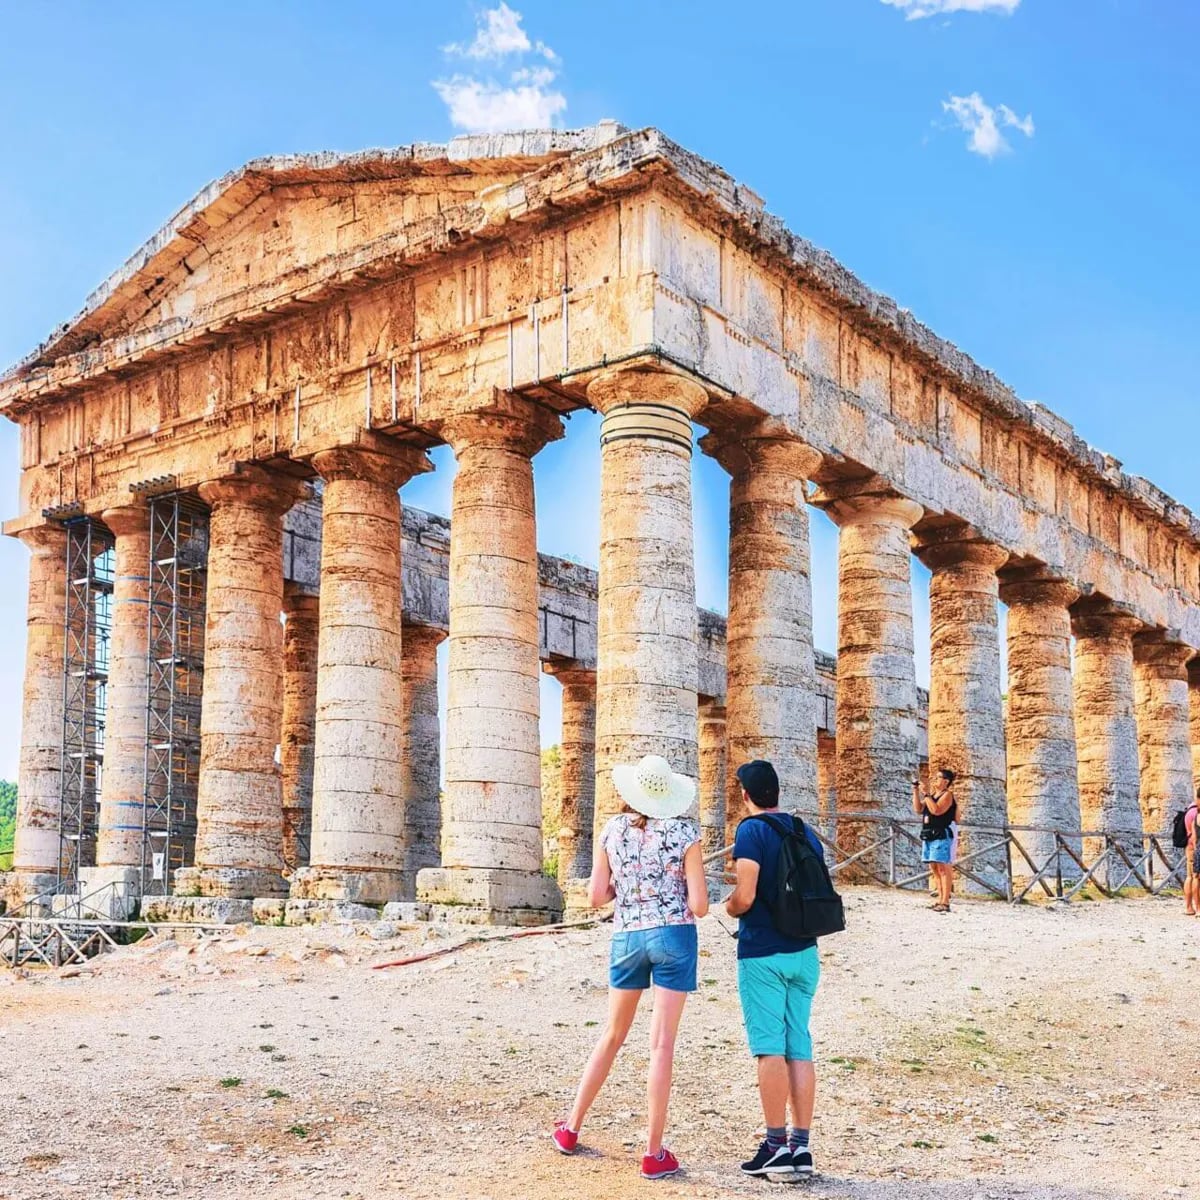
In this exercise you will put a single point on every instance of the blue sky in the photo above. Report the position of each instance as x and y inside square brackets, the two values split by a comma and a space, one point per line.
[1020, 173]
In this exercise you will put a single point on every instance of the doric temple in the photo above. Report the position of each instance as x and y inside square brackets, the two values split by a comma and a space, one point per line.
[230, 688]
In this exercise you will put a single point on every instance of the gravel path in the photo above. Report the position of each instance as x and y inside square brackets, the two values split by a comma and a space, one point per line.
[1040, 1053]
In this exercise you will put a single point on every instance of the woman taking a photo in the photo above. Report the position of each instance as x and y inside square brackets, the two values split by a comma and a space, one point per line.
[938, 813]
[648, 860]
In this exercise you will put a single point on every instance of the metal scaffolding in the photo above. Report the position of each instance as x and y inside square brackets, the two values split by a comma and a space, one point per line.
[175, 668]
[88, 625]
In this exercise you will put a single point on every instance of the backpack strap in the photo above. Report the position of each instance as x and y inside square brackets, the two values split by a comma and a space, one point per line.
[769, 818]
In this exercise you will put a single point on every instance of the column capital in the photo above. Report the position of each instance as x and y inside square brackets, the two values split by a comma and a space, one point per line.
[389, 462]
[411, 633]
[940, 549]
[300, 600]
[641, 387]
[254, 487]
[125, 519]
[44, 541]
[520, 427]
[1161, 652]
[862, 502]
[756, 449]
[570, 673]
[1098, 617]
[1036, 586]
[711, 709]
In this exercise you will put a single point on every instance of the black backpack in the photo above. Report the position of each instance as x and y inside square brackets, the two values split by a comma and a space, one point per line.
[1179, 834]
[804, 904]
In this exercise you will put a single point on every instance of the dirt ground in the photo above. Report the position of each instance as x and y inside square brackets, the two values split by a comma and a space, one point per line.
[1043, 1053]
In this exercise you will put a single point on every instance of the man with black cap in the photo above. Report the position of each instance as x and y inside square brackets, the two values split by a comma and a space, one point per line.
[777, 980]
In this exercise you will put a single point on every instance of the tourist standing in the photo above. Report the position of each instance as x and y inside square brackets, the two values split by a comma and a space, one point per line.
[648, 859]
[1191, 883]
[777, 979]
[939, 815]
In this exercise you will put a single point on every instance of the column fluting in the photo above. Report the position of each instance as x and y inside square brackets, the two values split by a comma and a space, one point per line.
[420, 753]
[492, 818]
[577, 782]
[771, 691]
[713, 769]
[1043, 765]
[876, 674]
[647, 670]
[1160, 680]
[123, 791]
[239, 808]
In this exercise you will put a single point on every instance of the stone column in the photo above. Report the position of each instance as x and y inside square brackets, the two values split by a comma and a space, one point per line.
[420, 753]
[578, 776]
[492, 819]
[713, 785]
[1161, 698]
[239, 808]
[1043, 767]
[1194, 717]
[39, 781]
[876, 674]
[771, 693]
[647, 673]
[122, 796]
[966, 713]
[827, 775]
[357, 852]
[301, 610]
[1105, 728]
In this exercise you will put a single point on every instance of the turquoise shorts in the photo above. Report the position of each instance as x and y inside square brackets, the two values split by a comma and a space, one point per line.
[777, 993]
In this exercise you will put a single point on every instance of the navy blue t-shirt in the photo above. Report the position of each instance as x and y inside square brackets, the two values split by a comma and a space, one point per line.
[757, 935]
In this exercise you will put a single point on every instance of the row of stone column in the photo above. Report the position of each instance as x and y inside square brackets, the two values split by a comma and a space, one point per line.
[357, 790]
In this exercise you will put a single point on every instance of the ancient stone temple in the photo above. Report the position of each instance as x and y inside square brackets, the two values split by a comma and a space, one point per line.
[231, 689]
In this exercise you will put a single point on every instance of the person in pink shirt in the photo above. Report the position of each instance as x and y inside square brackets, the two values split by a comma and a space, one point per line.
[1191, 885]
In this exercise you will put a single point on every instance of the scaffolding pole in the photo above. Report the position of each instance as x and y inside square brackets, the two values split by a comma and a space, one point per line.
[175, 676]
[88, 626]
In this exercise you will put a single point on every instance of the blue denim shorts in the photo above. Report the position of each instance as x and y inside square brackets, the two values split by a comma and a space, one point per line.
[666, 954]
[940, 851]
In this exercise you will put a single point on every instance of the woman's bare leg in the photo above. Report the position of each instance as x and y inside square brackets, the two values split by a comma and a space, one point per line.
[622, 1007]
[664, 1024]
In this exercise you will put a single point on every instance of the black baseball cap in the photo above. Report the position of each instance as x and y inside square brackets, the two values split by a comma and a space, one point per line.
[760, 781]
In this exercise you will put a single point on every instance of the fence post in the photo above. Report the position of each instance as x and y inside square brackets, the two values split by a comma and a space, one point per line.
[1008, 868]
[891, 854]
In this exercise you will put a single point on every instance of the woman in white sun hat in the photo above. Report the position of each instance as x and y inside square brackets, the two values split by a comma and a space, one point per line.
[648, 860]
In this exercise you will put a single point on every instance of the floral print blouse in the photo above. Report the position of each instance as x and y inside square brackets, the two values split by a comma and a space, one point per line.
[647, 871]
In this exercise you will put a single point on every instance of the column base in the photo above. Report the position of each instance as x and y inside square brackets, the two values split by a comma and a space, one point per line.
[109, 893]
[230, 883]
[489, 896]
[349, 886]
[199, 910]
[575, 900]
[22, 887]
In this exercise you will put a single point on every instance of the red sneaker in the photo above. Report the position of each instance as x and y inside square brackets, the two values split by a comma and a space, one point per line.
[565, 1140]
[659, 1167]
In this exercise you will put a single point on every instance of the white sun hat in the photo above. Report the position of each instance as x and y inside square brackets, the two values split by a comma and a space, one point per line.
[653, 789]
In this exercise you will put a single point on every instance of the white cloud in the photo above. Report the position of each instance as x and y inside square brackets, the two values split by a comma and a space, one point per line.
[525, 100]
[914, 10]
[985, 124]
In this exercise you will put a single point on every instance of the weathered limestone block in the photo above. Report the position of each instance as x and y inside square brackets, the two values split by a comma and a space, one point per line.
[578, 777]
[966, 714]
[301, 612]
[713, 785]
[326, 911]
[198, 910]
[491, 826]
[1194, 716]
[876, 674]
[1043, 766]
[357, 851]
[646, 681]
[1105, 728]
[239, 838]
[122, 796]
[1161, 704]
[39, 787]
[771, 677]
[827, 804]
[420, 753]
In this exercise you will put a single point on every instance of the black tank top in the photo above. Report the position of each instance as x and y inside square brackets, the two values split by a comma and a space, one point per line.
[940, 825]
